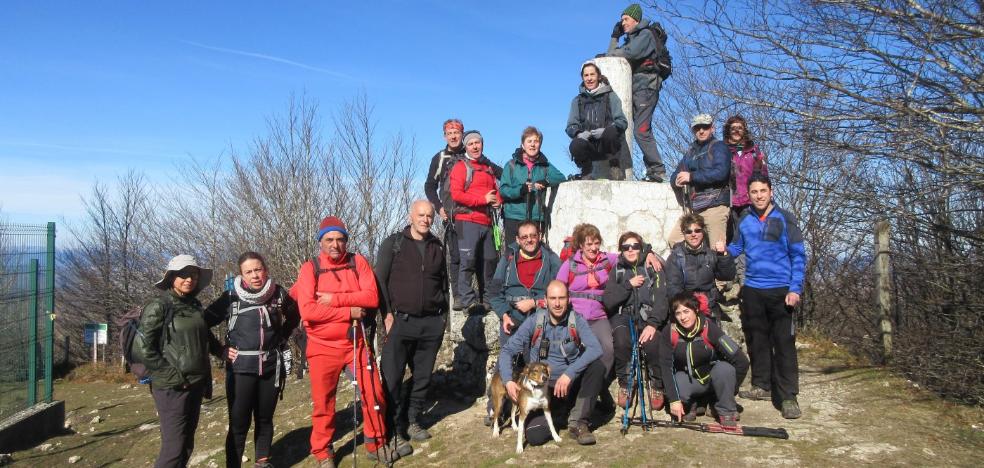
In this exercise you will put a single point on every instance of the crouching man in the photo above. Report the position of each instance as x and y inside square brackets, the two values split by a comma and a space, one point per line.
[564, 340]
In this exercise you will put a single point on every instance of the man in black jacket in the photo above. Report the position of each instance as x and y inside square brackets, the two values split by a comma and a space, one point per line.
[438, 192]
[413, 282]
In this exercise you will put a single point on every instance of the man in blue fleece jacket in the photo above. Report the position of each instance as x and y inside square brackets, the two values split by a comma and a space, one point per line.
[776, 265]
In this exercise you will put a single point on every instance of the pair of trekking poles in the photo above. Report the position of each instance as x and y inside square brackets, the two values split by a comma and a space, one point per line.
[638, 385]
[358, 324]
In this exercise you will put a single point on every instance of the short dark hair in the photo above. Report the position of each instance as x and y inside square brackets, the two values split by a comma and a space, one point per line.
[759, 177]
[531, 130]
[250, 255]
[629, 235]
[685, 299]
[528, 222]
[691, 218]
[601, 78]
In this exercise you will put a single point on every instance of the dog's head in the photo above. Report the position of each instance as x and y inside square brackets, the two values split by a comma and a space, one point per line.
[537, 374]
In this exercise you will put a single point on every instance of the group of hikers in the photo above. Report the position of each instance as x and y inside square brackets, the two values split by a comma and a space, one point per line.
[586, 312]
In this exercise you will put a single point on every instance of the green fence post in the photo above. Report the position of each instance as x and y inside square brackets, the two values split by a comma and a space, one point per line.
[49, 338]
[32, 340]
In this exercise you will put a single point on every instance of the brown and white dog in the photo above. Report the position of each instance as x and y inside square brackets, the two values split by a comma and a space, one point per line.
[534, 394]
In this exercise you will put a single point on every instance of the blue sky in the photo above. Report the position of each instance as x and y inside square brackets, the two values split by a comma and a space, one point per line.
[89, 90]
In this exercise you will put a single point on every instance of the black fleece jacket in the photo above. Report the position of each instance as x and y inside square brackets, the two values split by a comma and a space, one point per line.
[408, 282]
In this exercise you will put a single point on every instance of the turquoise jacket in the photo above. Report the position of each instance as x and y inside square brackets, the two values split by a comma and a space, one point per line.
[512, 186]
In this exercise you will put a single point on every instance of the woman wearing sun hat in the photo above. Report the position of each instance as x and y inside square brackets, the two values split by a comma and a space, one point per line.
[175, 347]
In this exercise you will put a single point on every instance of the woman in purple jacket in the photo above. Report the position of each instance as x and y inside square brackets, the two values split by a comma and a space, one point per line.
[746, 159]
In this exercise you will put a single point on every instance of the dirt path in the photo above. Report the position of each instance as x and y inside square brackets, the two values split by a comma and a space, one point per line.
[853, 415]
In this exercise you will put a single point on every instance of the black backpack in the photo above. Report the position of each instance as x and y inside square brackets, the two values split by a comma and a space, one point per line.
[660, 61]
[131, 337]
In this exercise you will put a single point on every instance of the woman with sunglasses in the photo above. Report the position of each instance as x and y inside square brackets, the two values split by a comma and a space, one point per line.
[636, 292]
[694, 266]
[174, 345]
[746, 160]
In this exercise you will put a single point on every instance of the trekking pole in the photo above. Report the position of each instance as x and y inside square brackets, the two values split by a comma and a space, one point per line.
[370, 362]
[496, 229]
[631, 384]
[355, 386]
[637, 362]
[529, 197]
[748, 431]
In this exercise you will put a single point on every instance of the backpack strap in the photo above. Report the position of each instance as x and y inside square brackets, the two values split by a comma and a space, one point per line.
[537, 340]
[572, 328]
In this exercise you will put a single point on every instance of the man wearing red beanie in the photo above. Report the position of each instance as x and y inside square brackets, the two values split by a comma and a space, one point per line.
[332, 291]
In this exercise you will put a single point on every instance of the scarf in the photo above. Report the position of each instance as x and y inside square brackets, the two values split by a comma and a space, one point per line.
[253, 298]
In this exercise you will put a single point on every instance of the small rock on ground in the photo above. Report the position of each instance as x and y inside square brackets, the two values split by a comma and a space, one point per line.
[74, 459]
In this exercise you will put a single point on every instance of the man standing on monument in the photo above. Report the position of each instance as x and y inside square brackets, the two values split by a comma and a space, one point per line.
[645, 49]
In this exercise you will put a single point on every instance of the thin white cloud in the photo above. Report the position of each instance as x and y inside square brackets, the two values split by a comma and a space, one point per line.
[78, 148]
[271, 58]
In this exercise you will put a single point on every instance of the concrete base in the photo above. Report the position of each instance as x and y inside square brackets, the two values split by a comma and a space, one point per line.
[32, 426]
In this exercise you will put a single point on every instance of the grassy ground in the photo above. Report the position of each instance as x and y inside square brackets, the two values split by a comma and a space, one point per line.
[854, 414]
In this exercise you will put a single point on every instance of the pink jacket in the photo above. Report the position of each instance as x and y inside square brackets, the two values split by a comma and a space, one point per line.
[577, 283]
[743, 164]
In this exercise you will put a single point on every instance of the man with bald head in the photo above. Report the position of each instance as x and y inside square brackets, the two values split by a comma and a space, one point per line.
[413, 281]
[563, 340]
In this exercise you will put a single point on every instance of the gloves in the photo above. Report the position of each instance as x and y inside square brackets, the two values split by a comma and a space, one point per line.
[596, 133]
[618, 31]
[584, 135]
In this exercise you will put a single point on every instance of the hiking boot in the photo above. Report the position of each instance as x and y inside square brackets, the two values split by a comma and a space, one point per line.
[580, 432]
[691, 414]
[386, 453]
[264, 463]
[700, 409]
[656, 400]
[487, 420]
[417, 433]
[623, 397]
[756, 393]
[403, 447]
[728, 421]
[791, 409]
[326, 463]
[655, 174]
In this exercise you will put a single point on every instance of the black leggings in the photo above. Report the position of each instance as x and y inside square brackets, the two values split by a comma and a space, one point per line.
[623, 350]
[250, 397]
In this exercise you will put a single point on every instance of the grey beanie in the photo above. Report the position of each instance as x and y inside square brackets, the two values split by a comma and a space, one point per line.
[471, 135]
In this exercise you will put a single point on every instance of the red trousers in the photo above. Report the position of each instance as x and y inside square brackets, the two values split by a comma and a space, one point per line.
[325, 370]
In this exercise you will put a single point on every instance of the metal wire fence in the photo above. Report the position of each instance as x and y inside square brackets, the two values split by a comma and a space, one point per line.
[27, 300]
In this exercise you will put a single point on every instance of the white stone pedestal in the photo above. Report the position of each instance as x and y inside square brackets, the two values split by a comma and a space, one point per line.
[648, 208]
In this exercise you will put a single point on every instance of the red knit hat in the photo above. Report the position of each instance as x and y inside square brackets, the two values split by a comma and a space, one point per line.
[331, 223]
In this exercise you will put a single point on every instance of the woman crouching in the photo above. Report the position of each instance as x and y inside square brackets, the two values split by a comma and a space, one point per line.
[698, 359]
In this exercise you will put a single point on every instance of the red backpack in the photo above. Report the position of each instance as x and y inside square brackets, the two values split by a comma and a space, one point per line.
[567, 251]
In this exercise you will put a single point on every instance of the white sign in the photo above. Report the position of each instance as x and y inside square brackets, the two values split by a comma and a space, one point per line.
[96, 332]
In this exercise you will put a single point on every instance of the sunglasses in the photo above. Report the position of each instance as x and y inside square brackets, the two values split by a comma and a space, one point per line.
[698, 128]
[627, 247]
[693, 231]
[186, 273]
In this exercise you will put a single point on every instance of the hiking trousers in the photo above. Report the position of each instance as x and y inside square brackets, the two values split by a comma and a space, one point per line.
[577, 406]
[643, 104]
[178, 411]
[622, 340]
[251, 397]
[414, 341]
[606, 148]
[475, 244]
[721, 385]
[602, 330]
[325, 370]
[771, 339]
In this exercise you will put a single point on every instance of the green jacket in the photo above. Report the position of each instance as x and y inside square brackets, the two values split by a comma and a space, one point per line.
[177, 356]
[512, 186]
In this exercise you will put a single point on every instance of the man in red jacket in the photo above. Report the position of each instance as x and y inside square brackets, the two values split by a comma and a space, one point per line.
[475, 194]
[333, 291]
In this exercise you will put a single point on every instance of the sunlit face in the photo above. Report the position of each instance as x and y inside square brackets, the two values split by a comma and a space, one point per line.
[630, 249]
[528, 238]
[760, 194]
[590, 248]
[333, 244]
[694, 235]
[185, 280]
[421, 217]
[531, 146]
[703, 132]
[736, 132]
[685, 316]
[590, 77]
[557, 300]
[628, 23]
[453, 137]
[474, 147]
[254, 273]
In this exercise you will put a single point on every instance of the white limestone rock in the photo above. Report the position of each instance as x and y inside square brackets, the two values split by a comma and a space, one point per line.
[647, 208]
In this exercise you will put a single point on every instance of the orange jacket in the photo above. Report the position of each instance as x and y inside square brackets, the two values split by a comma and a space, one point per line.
[328, 326]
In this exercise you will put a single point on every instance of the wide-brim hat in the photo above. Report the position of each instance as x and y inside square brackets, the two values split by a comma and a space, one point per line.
[179, 263]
